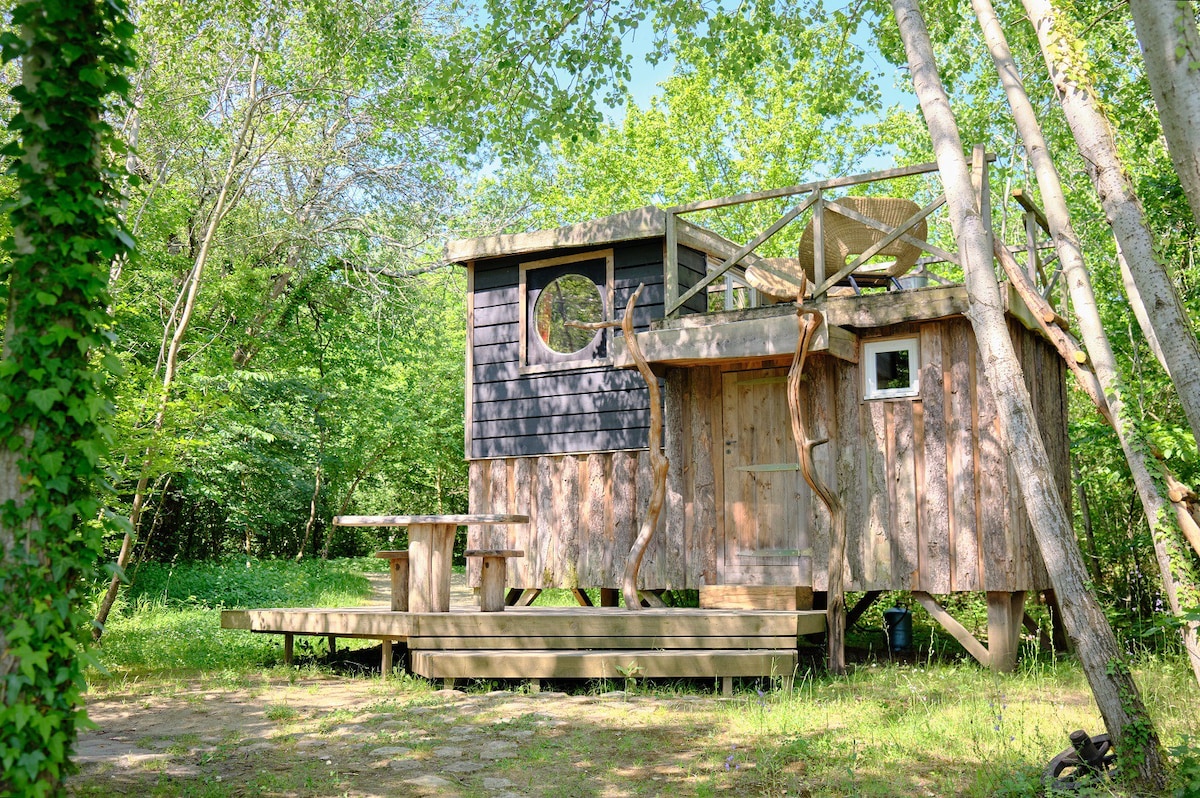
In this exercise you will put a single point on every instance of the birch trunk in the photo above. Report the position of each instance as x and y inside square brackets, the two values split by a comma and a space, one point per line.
[173, 344]
[1174, 562]
[1151, 293]
[1171, 46]
[1109, 676]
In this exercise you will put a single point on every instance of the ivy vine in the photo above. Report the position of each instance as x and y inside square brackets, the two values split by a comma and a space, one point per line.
[53, 402]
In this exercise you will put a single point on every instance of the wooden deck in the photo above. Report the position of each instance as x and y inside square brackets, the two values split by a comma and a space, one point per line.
[562, 642]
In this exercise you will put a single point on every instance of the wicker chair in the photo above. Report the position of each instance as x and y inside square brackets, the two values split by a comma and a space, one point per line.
[844, 239]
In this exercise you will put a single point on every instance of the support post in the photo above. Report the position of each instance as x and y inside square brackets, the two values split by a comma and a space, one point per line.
[1005, 611]
[385, 664]
[671, 266]
[288, 648]
[810, 321]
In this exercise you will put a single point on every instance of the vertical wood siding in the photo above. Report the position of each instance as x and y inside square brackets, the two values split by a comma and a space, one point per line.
[932, 503]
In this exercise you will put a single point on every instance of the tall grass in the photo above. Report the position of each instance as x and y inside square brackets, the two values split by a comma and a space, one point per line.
[168, 621]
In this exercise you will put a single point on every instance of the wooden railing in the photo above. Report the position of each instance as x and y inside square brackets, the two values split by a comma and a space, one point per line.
[814, 198]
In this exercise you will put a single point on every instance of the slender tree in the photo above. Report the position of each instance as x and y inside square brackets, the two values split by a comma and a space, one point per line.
[1148, 286]
[53, 410]
[1106, 670]
[1174, 562]
[1170, 44]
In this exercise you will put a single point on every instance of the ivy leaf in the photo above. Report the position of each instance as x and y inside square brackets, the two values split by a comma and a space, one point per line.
[44, 398]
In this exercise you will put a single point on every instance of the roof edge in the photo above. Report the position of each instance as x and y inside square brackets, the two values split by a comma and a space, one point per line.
[644, 222]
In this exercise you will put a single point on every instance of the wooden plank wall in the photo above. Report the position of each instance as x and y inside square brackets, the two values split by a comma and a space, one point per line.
[938, 506]
[567, 410]
[932, 503]
[584, 514]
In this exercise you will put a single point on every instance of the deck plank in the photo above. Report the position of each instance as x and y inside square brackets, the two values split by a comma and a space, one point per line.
[601, 664]
[566, 622]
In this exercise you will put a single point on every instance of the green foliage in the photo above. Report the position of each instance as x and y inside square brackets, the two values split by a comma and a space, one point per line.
[169, 622]
[245, 582]
[53, 408]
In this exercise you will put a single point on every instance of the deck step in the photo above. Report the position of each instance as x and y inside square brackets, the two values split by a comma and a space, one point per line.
[611, 664]
[602, 642]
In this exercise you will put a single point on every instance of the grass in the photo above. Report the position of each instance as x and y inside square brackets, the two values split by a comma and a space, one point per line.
[168, 622]
[935, 724]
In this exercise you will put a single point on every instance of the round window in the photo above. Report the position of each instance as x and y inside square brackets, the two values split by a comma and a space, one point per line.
[569, 298]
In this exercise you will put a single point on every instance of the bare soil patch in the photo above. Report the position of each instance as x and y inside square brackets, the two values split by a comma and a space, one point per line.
[367, 737]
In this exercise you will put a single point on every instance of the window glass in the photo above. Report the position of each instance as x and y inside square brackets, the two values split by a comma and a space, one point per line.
[890, 368]
[569, 298]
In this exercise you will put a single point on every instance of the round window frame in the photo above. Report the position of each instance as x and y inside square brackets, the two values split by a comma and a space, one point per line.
[597, 296]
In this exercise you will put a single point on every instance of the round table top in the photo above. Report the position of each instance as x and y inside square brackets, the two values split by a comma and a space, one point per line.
[444, 520]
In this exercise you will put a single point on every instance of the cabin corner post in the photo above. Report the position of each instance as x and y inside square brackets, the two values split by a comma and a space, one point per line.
[671, 265]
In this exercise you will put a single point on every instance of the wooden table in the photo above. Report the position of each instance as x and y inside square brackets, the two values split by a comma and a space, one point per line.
[430, 548]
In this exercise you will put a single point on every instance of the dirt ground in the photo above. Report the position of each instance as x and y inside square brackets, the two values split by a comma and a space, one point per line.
[398, 737]
[366, 737]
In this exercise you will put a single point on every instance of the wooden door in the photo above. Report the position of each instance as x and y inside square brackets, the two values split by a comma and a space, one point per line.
[767, 540]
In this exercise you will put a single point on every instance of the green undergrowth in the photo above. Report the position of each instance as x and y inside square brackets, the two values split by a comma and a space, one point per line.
[168, 621]
[246, 582]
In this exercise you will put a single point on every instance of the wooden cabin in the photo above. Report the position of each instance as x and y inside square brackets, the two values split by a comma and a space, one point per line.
[556, 422]
[557, 435]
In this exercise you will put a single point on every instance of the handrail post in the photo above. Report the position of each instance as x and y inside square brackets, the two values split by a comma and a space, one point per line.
[818, 222]
[671, 266]
[979, 177]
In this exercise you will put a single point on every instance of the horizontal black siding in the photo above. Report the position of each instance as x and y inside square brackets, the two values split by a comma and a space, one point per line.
[592, 409]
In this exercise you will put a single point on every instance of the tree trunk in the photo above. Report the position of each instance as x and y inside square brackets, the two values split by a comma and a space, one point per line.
[1108, 674]
[1170, 44]
[1151, 293]
[1179, 578]
[188, 294]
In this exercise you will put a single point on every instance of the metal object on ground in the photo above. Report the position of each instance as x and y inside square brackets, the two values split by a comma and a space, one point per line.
[1088, 760]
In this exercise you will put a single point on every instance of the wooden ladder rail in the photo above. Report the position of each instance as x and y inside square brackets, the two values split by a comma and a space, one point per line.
[1182, 499]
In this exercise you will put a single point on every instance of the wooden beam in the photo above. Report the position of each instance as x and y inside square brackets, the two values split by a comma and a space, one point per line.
[504, 664]
[861, 606]
[576, 642]
[956, 629]
[765, 336]
[803, 188]
[1026, 202]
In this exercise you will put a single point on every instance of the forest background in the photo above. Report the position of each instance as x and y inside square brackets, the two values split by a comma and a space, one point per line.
[291, 342]
[288, 343]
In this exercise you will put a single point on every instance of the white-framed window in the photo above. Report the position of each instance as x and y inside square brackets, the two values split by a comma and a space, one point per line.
[891, 368]
[555, 292]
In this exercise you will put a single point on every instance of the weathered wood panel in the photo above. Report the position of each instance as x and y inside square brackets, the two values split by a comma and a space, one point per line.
[960, 444]
[933, 543]
[903, 493]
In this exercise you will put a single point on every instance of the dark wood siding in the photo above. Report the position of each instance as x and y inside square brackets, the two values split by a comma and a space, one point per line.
[591, 409]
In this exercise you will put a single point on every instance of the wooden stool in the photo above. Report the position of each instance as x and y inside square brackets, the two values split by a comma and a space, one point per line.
[493, 577]
[398, 566]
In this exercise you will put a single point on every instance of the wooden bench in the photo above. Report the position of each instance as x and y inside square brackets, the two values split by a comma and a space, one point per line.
[493, 576]
[398, 568]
